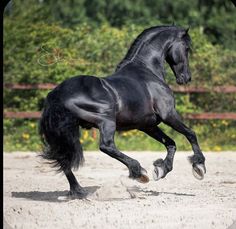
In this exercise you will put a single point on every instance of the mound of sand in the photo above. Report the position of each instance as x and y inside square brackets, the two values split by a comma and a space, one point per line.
[115, 190]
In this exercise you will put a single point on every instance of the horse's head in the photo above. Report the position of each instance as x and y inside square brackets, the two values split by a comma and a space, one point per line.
[177, 57]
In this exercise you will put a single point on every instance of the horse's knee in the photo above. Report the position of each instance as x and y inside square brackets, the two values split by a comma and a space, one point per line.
[191, 136]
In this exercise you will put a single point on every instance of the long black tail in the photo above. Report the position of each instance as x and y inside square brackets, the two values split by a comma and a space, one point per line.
[59, 131]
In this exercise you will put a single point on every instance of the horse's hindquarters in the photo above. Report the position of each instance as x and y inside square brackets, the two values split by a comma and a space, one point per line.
[87, 99]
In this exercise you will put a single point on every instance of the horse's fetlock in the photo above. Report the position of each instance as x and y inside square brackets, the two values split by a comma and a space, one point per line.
[169, 166]
[136, 164]
[158, 162]
[197, 159]
[135, 169]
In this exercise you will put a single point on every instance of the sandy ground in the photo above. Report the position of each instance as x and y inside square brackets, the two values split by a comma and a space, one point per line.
[33, 194]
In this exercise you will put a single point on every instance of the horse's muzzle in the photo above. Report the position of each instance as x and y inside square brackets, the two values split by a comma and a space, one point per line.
[183, 79]
[180, 80]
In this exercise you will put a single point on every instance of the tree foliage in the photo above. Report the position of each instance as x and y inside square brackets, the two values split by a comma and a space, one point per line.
[216, 17]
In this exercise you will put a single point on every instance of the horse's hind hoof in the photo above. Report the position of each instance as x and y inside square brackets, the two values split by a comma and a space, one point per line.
[144, 177]
[198, 171]
[72, 195]
[77, 194]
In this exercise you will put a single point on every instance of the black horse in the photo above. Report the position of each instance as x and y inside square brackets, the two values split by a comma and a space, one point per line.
[136, 96]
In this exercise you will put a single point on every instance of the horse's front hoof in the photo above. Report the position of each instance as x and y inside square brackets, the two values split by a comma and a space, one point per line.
[144, 177]
[198, 171]
[158, 173]
[159, 169]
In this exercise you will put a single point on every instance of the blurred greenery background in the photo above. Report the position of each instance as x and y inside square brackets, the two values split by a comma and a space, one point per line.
[48, 41]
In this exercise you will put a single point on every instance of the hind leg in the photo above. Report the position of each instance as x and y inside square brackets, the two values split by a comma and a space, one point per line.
[76, 191]
[107, 127]
[107, 145]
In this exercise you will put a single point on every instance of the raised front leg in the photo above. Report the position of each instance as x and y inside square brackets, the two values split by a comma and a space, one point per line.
[107, 145]
[162, 167]
[198, 160]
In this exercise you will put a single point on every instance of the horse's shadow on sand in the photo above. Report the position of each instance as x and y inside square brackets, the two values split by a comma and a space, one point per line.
[54, 196]
[147, 192]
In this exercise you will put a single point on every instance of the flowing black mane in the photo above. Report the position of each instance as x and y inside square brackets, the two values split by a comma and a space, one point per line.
[142, 38]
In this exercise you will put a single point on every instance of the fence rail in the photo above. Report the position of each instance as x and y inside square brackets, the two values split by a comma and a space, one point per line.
[192, 116]
[179, 89]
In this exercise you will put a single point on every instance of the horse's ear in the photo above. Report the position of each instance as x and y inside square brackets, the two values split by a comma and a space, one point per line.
[186, 31]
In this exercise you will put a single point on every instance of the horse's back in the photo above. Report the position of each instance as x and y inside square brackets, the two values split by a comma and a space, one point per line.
[79, 87]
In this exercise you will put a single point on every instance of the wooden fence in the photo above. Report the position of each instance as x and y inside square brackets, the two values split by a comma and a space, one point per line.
[179, 89]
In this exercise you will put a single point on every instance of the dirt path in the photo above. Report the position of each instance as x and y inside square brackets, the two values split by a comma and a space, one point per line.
[33, 193]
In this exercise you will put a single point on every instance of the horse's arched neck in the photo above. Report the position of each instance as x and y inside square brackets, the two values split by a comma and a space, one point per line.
[153, 57]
